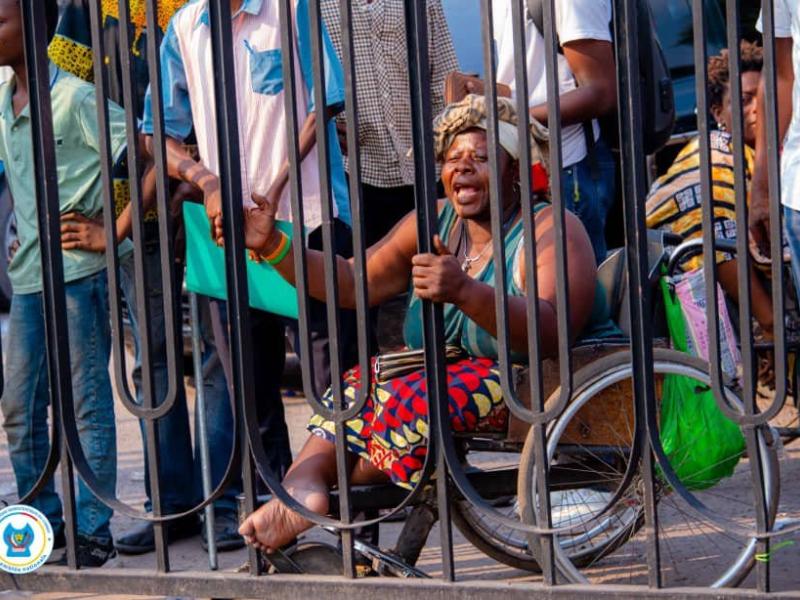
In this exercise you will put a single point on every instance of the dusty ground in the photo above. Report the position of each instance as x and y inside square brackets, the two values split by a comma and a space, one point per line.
[691, 550]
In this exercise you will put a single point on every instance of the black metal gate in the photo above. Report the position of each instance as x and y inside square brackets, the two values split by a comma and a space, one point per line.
[448, 483]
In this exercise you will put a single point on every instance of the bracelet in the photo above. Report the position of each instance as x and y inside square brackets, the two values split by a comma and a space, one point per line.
[280, 252]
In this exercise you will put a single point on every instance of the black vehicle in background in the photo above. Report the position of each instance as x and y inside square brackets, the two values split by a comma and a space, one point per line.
[673, 20]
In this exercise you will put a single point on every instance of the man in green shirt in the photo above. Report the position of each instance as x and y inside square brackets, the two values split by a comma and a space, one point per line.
[26, 395]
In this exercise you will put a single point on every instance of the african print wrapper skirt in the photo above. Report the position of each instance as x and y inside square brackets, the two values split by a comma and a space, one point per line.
[391, 432]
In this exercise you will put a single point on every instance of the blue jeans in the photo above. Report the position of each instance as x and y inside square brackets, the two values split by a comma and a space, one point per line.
[791, 226]
[591, 197]
[179, 473]
[26, 399]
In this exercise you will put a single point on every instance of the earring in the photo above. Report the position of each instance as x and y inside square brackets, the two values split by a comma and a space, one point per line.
[721, 126]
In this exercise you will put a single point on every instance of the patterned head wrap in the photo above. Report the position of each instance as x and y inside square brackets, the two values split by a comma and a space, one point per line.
[471, 112]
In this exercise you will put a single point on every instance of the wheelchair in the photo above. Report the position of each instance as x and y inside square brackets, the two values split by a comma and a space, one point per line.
[595, 492]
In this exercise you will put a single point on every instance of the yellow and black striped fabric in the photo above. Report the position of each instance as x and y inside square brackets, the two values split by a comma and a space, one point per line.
[675, 200]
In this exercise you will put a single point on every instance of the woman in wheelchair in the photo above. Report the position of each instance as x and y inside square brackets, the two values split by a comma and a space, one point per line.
[675, 201]
[388, 440]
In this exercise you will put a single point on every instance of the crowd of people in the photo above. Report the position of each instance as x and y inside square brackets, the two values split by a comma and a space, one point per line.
[388, 439]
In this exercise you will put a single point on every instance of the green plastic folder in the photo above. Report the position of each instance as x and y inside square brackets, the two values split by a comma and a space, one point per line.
[205, 268]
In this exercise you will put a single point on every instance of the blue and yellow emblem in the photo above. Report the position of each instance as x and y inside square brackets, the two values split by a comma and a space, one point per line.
[18, 541]
[26, 539]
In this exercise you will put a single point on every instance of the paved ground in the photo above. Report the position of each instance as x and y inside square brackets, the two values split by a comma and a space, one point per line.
[691, 550]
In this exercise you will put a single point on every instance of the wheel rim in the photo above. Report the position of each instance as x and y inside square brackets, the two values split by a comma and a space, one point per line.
[626, 519]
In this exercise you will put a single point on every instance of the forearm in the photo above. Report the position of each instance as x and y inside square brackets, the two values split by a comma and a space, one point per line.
[761, 301]
[124, 224]
[181, 165]
[785, 82]
[315, 268]
[577, 106]
[759, 183]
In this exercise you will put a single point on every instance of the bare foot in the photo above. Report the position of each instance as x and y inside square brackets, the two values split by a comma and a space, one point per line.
[274, 525]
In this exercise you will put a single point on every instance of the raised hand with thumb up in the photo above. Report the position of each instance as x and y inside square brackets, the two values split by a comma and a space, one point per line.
[439, 277]
[259, 225]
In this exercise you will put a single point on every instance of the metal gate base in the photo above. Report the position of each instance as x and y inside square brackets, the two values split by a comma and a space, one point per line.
[233, 585]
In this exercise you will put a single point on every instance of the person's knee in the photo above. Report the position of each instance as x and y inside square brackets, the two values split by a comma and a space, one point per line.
[17, 420]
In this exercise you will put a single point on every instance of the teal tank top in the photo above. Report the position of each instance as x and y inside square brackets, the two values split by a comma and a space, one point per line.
[459, 330]
[462, 331]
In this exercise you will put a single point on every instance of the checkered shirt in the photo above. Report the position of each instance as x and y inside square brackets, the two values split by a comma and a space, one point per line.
[382, 87]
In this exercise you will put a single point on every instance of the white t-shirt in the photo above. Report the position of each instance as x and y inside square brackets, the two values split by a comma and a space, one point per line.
[787, 24]
[575, 20]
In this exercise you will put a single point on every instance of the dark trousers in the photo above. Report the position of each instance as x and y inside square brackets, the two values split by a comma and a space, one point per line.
[267, 362]
[384, 208]
[320, 341]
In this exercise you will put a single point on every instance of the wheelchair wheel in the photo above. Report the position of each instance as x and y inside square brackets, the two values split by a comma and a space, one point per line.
[589, 450]
[503, 544]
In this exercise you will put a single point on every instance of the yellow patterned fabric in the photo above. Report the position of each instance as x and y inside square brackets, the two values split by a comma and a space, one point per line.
[675, 200]
[71, 48]
[121, 199]
[166, 8]
[72, 56]
[391, 430]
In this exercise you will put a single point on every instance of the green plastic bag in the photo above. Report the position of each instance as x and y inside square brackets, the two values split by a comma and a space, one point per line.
[702, 444]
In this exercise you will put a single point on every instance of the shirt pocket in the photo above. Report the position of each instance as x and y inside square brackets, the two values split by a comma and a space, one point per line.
[266, 70]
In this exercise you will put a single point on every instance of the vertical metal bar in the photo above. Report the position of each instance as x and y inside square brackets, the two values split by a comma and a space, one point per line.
[356, 196]
[109, 208]
[556, 193]
[634, 191]
[231, 189]
[544, 518]
[148, 382]
[700, 31]
[546, 555]
[776, 255]
[49, 224]
[776, 213]
[67, 497]
[331, 282]
[171, 291]
[733, 15]
[296, 195]
[202, 429]
[743, 272]
[427, 220]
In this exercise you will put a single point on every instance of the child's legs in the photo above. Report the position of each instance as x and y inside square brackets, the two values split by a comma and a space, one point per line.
[25, 402]
[90, 345]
